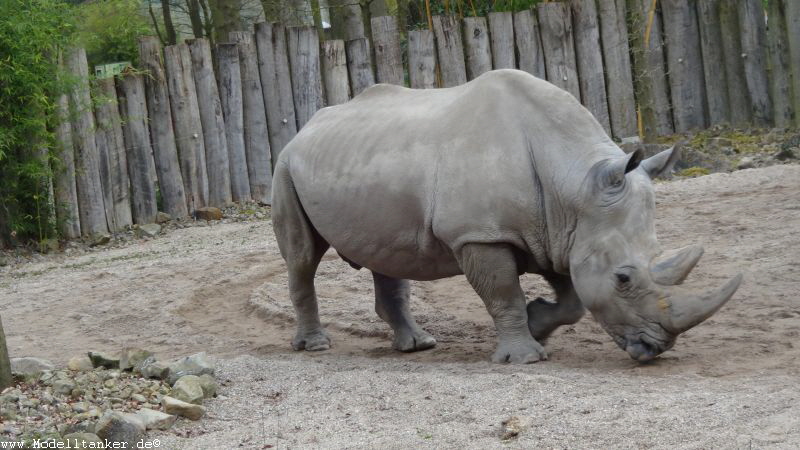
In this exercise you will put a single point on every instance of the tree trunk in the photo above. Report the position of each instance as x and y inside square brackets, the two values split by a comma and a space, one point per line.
[421, 59]
[617, 63]
[716, 81]
[225, 15]
[780, 73]
[169, 27]
[589, 59]
[450, 50]
[501, 26]
[334, 71]
[170, 181]
[5, 363]
[303, 48]
[529, 44]
[359, 65]
[754, 49]
[388, 56]
[230, 96]
[195, 19]
[557, 41]
[66, 193]
[477, 48]
[792, 8]
[734, 67]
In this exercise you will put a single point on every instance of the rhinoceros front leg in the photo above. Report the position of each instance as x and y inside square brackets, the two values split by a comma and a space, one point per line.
[544, 317]
[391, 304]
[492, 271]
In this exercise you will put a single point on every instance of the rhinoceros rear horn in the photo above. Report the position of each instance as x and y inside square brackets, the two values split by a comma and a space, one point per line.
[675, 267]
[685, 311]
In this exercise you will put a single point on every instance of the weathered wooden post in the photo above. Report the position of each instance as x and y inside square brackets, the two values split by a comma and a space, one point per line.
[754, 58]
[256, 134]
[421, 59]
[685, 65]
[649, 71]
[111, 146]
[162, 134]
[215, 142]
[90, 188]
[359, 65]
[555, 27]
[334, 71]
[589, 58]
[477, 47]
[617, 61]
[66, 192]
[188, 128]
[450, 50]
[141, 168]
[716, 82]
[5, 362]
[792, 9]
[276, 84]
[529, 44]
[306, 78]
[230, 96]
[501, 31]
[780, 72]
[388, 57]
[738, 99]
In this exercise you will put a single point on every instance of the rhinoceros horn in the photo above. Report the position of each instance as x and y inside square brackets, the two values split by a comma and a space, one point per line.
[675, 267]
[682, 310]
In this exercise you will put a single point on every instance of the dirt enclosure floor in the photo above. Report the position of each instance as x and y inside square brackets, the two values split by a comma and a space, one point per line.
[732, 382]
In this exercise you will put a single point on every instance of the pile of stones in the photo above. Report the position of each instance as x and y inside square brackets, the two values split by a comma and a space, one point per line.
[102, 399]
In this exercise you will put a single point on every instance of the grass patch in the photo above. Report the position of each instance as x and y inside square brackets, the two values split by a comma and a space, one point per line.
[693, 172]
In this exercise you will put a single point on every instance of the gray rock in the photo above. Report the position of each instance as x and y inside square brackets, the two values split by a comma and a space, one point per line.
[149, 230]
[208, 213]
[106, 360]
[29, 367]
[786, 153]
[80, 364]
[197, 364]
[189, 389]
[150, 368]
[99, 239]
[719, 142]
[63, 387]
[163, 217]
[120, 427]
[746, 163]
[155, 420]
[130, 357]
[209, 385]
[183, 409]
[82, 440]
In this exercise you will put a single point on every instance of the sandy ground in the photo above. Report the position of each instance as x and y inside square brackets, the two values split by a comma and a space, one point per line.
[733, 382]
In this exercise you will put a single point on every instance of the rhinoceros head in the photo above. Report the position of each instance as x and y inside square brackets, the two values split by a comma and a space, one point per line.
[614, 265]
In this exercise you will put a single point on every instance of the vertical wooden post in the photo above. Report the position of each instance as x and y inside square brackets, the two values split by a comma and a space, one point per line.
[90, 189]
[617, 62]
[306, 78]
[649, 71]
[188, 127]
[476, 46]
[501, 31]
[276, 84]
[388, 57]
[685, 65]
[214, 140]
[256, 134]
[740, 107]
[109, 136]
[141, 168]
[557, 41]
[359, 65]
[334, 71]
[66, 193]
[716, 82]
[450, 50]
[780, 73]
[421, 59]
[754, 51]
[5, 361]
[162, 134]
[589, 58]
[529, 44]
[230, 96]
[792, 9]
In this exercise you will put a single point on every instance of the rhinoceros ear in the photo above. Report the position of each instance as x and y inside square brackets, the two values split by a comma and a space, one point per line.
[662, 163]
[619, 167]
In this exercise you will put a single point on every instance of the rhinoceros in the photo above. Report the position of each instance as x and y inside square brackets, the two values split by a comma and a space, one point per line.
[501, 176]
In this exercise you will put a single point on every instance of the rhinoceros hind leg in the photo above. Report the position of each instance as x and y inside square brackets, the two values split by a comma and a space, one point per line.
[391, 304]
[302, 247]
[544, 317]
[492, 271]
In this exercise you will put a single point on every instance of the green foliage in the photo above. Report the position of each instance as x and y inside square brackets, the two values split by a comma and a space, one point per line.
[31, 34]
[108, 29]
[464, 8]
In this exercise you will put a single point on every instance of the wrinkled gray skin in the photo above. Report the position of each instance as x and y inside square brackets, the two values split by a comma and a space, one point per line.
[504, 175]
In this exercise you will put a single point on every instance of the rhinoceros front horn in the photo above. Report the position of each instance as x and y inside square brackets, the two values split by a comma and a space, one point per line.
[675, 267]
[684, 311]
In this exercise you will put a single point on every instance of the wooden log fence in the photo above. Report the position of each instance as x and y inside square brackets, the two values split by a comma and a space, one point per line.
[198, 137]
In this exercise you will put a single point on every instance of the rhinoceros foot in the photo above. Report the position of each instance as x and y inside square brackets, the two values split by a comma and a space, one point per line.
[312, 341]
[519, 352]
[412, 341]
